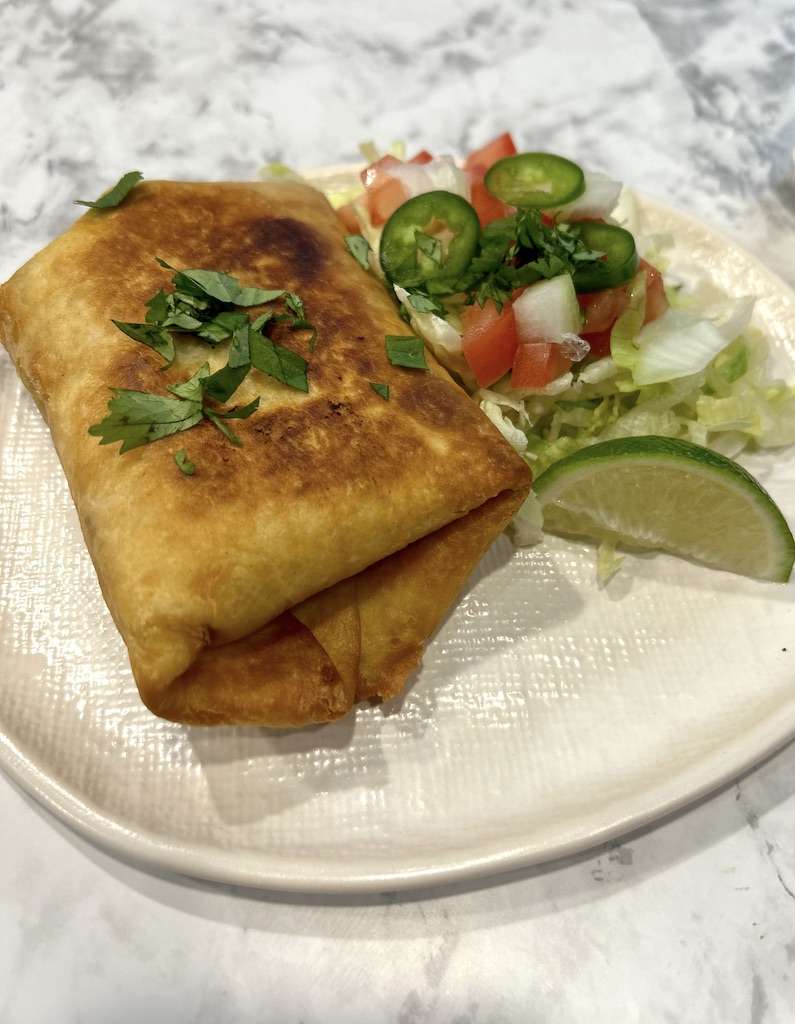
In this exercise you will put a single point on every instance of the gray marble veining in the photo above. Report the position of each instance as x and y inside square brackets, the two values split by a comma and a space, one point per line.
[694, 102]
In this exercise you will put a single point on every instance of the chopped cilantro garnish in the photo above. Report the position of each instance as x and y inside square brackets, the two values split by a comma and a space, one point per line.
[406, 351]
[184, 463]
[295, 305]
[225, 429]
[425, 304]
[137, 417]
[516, 251]
[116, 195]
[429, 246]
[239, 412]
[152, 335]
[202, 303]
[278, 362]
[359, 248]
[380, 389]
[157, 308]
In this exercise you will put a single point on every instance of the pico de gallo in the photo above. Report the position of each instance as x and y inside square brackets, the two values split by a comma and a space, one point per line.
[533, 282]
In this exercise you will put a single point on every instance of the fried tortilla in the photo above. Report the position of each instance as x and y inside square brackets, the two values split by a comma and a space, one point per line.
[304, 570]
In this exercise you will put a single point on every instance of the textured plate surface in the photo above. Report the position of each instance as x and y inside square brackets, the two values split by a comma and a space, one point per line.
[548, 715]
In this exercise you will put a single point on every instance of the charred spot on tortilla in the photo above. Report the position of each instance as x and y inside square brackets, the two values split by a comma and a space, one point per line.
[296, 243]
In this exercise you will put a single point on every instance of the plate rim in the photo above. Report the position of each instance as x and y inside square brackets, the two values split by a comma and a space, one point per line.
[318, 876]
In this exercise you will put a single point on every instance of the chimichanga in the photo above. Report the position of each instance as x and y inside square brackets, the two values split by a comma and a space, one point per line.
[305, 569]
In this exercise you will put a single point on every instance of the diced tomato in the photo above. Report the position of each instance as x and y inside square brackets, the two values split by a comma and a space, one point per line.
[603, 308]
[423, 157]
[599, 342]
[538, 363]
[489, 154]
[656, 302]
[489, 341]
[487, 206]
[376, 173]
[384, 193]
[349, 219]
[385, 200]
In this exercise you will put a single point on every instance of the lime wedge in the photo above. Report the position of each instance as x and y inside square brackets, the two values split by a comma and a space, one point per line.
[670, 495]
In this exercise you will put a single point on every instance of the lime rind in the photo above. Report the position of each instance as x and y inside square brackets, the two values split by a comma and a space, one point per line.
[672, 495]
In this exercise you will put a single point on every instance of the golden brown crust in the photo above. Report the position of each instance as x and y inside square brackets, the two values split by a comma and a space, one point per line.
[403, 599]
[324, 485]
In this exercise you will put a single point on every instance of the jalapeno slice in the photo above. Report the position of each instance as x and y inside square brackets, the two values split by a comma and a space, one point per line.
[538, 180]
[430, 238]
[620, 260]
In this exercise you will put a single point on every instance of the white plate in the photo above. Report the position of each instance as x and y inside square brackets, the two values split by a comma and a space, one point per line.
[548, 715]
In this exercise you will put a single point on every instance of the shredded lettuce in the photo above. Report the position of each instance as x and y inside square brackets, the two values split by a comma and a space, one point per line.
[677, 344]
[502, 421]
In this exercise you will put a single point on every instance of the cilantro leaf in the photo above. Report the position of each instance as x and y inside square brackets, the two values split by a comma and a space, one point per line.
[116, 195]
[192, 388]
[257, 296]
[359, 248]
[222, 326]
[157, 308]
[181, 321]
[380, 389]
[406, 351]
[185, 299]
[214, 283]
[239, 412]
[262, 319]
[225, 429]
[425, 304]
[184, 463]
[429, 246]
[295, 305]
[278, 362]
[240, 350]
[518, 250]
[153, 336]
[222, 384]
[137, 417]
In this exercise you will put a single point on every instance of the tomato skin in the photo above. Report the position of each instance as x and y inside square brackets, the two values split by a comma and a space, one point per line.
[489, 341]
[487, 206]
[656, 302]
[599, 342]
[349, 219]
[384, 193]
[603, 308]
[481, 159]
[384, 200]
[538, 363]
[376, 173]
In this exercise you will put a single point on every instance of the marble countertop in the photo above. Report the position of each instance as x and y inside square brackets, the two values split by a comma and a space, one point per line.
[692, 920]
